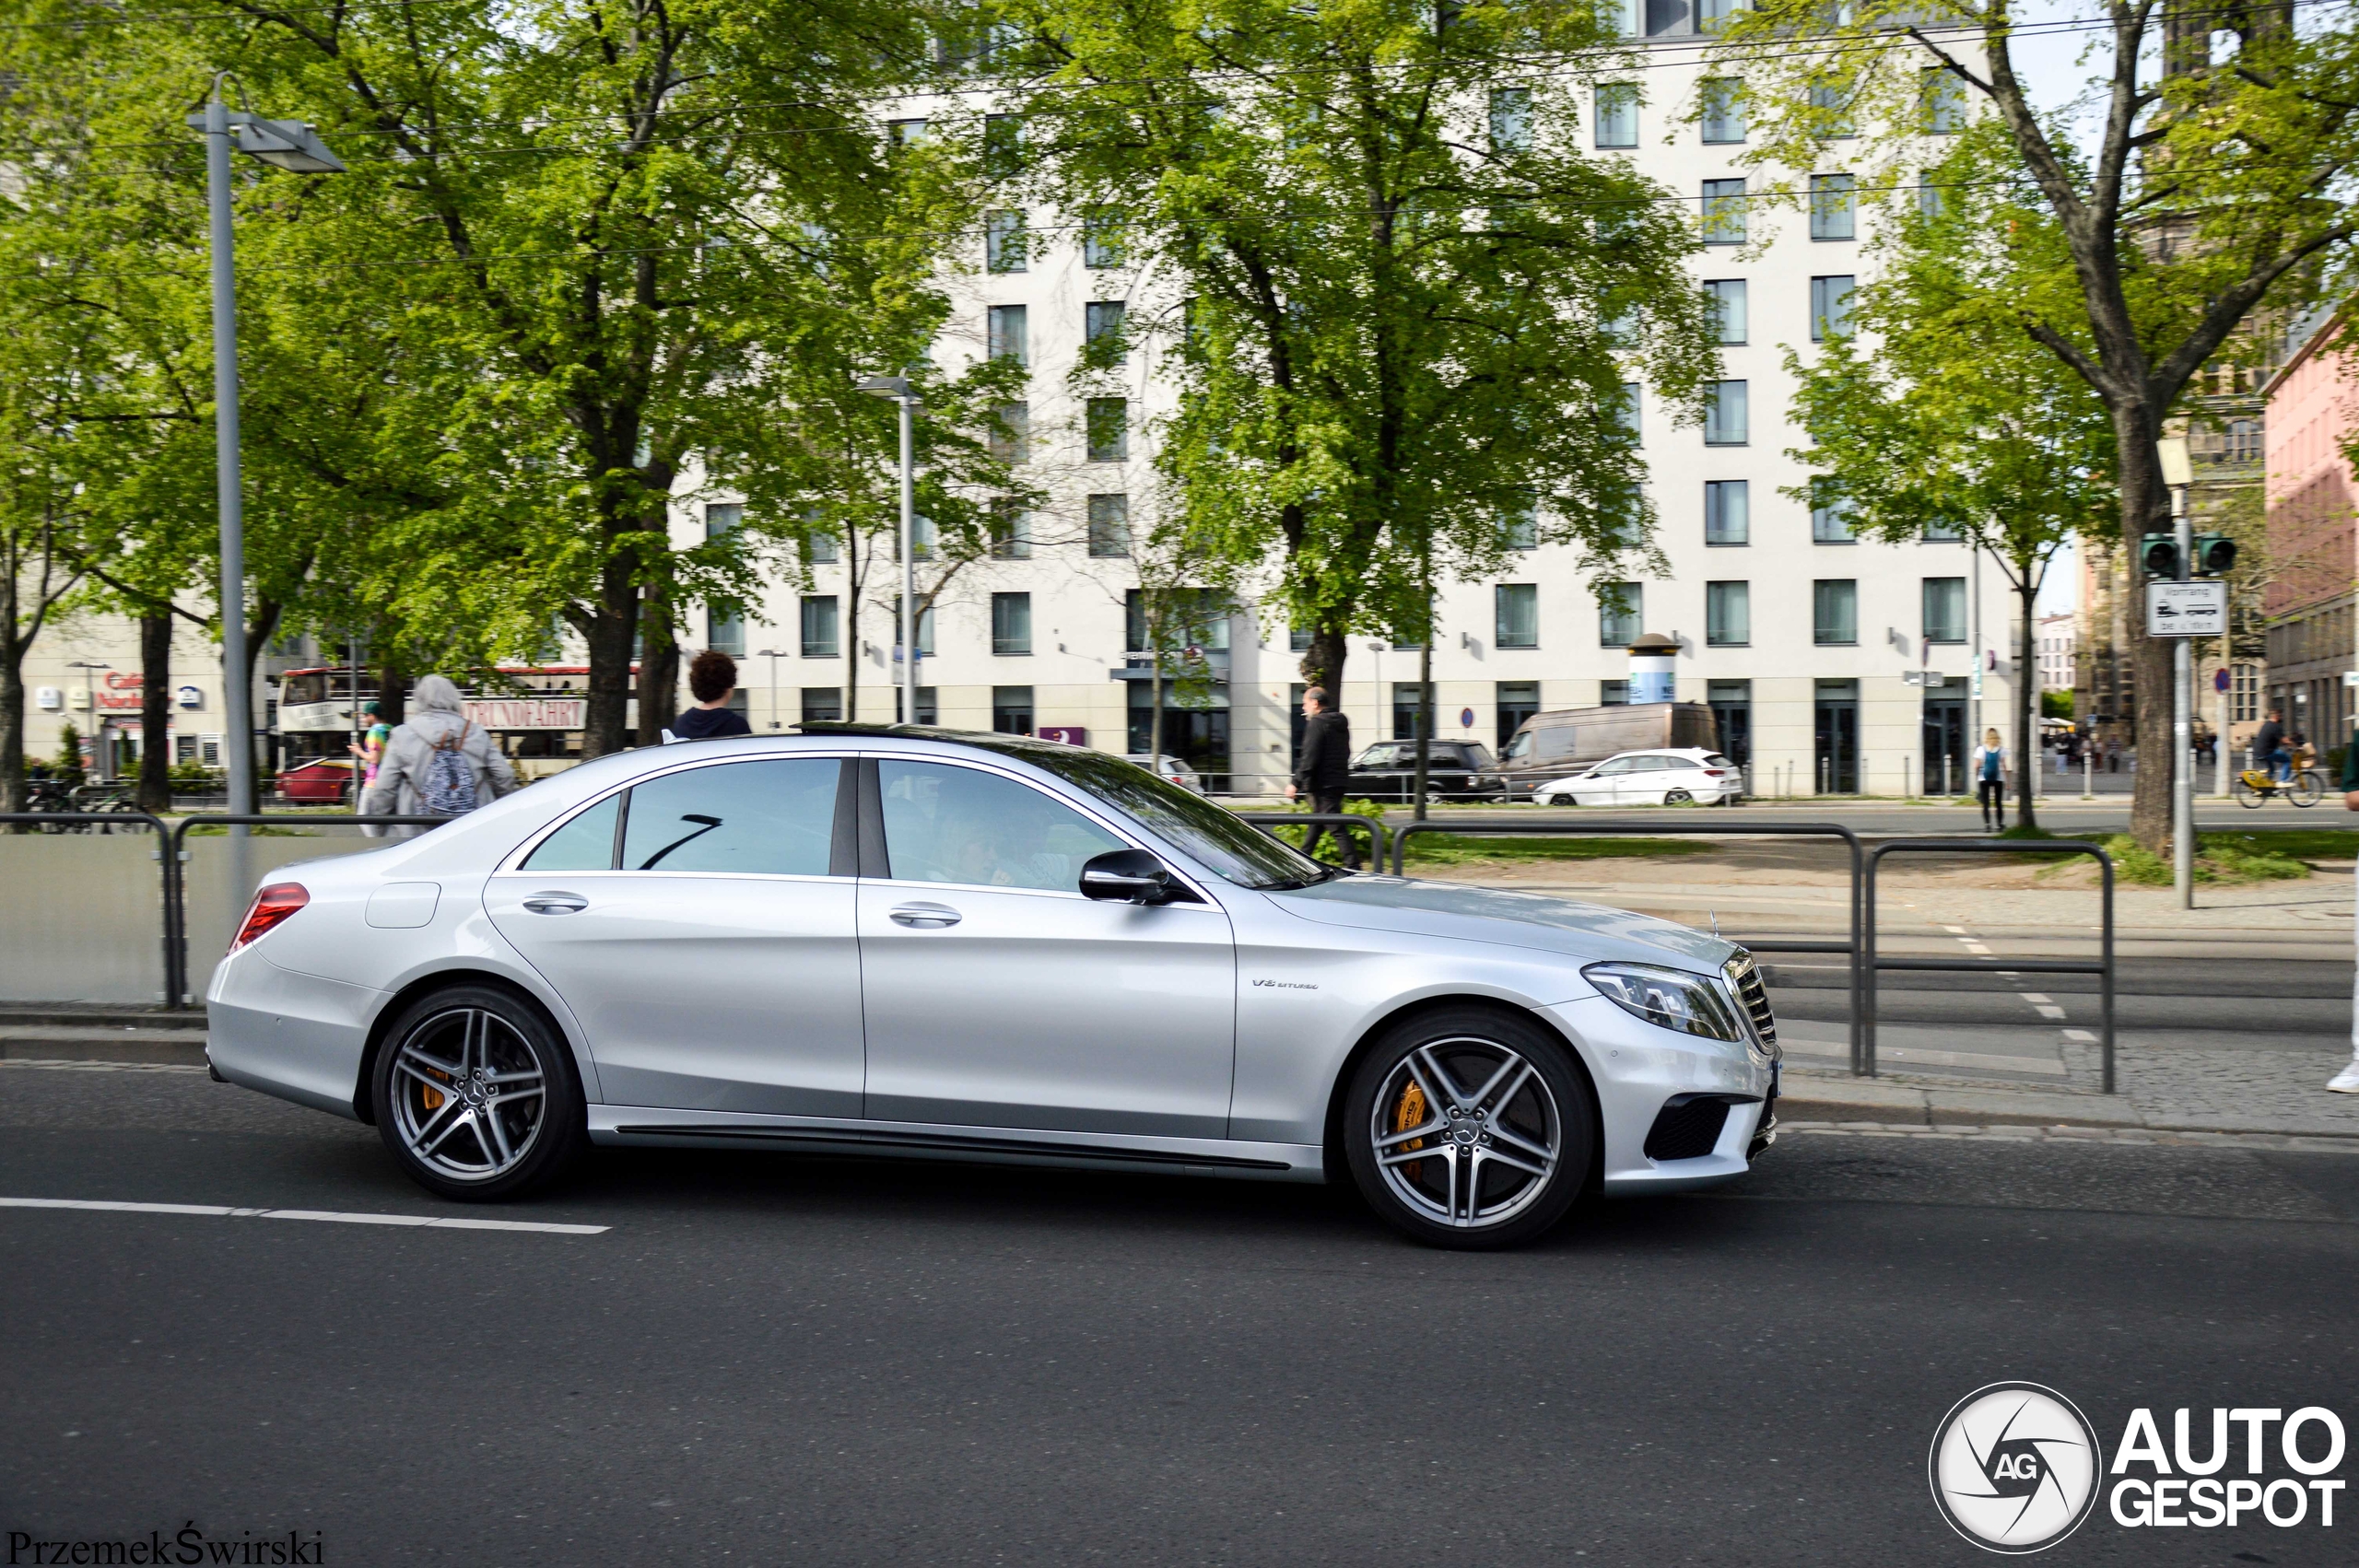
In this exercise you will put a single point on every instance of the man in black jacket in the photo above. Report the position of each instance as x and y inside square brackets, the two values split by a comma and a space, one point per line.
[1325, 768]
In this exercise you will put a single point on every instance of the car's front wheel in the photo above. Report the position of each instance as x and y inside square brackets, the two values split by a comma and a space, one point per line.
[476, 1094]
[1468, 1127]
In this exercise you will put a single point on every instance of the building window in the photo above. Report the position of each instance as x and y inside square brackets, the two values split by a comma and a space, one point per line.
[1712, 15]
[1728, 511]
[1298, 639]
[1011, 532]
[1830, 307]
[1012, 711]
[1195, 619]
[902, 134]
[1612, 694]
[2244, 694]
[1929, 199]
[1723, 109]
[1725, 212]
[1727, 613]
[929, 710]
[1726, 297]
[1834, 207]
[819, 636]
[1943, 533]
[1103, 342]
[2243, 441]
[821, 547]
[1108, 429]
[1945, 609]
[1724, 414]
[1511, 120]
[1621, 613]
[1617, 114]
[1830, 522]
[1110, 526]
[925, 629]
[823, 705]
[1010, 333]
[1006, 248]
[1631, 407]
[1520, 526]
[1830, 102]
[1010, 438]
[1516, 702]
[1835, 611]
[1516, 610]
[1002, 146]
[1011, 623]
[723, 517]
[724, 634]
[1101, 241]
[1942, 99]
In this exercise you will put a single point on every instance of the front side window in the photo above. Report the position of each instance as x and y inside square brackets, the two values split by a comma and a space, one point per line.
[1835, 611]
[1216, 838]
[1945, 609]
[1727, 613]
[1617, 114]
[775, 817]
[962, 826]
[1517, 606]
[1728, 511]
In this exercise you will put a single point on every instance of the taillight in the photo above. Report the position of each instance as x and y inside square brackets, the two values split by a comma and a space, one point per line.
[272, 905]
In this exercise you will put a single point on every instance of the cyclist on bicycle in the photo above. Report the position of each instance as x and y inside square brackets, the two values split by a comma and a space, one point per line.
[2269, 745]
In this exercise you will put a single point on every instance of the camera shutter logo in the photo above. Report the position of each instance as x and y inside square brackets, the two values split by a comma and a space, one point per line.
[2015, 1467]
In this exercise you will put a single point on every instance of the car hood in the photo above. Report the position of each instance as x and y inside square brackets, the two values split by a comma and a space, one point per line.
[1588, 932]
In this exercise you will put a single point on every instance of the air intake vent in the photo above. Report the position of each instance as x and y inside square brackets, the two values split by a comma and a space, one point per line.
[1755, 995]
[1687, 1127]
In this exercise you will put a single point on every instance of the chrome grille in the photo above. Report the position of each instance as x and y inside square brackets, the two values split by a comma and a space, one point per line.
[1755, 995]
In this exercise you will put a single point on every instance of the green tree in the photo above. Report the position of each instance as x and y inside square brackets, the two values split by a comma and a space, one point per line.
[2209, 191]
[1398, 302]
[1955, 418]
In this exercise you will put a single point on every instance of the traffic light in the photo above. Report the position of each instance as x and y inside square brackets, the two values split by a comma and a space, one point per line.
[2215, 554]
[2158, 555]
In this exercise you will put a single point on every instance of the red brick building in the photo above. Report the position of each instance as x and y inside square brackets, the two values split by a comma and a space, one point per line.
[2313, 416]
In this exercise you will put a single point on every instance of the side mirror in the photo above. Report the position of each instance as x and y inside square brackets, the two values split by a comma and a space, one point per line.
[1129, 876]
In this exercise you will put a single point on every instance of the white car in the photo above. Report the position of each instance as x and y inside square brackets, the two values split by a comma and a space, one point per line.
[1666, 778]
[1179, 772]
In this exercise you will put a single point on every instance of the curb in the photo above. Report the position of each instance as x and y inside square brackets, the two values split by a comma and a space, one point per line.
[1893, 1104]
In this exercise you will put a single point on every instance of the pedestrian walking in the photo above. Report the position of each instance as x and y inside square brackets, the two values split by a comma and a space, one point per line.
[369, 748]
[2347, 1081]
[438, 763]
[712, 677]
[1987, 768]
[1325, 768]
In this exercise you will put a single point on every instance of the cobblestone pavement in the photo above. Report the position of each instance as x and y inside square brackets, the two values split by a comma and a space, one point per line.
[2284, 1091]
[2067, 1133]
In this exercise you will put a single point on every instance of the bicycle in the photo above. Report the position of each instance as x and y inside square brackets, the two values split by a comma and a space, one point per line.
[2253, 787]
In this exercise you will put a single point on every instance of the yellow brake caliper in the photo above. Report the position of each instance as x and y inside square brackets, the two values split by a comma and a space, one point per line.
[1410, 1113]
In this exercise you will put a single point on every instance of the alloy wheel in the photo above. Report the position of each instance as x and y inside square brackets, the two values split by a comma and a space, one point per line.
[1466, 1132]
[469, 1093]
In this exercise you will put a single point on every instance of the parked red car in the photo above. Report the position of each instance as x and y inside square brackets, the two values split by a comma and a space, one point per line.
[326, 782]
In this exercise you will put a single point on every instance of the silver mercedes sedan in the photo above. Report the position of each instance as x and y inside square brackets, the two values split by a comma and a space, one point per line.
[902, 940]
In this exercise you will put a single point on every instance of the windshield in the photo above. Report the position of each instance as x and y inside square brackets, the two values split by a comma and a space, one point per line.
[1217, 838]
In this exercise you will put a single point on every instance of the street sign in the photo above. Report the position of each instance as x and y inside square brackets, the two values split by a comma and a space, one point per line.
[1466, 718]
[2220, 681]
[2187, 609]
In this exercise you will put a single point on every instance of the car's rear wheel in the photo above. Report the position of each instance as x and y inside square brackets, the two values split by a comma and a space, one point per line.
[1677, 797]
[1469, 1129]
[476, 1094]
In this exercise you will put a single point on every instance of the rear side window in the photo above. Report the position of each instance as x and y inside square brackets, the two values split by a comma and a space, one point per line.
[585, 844]
[770, 818]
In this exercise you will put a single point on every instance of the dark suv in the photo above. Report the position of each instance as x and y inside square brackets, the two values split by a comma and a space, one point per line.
[1455, 770]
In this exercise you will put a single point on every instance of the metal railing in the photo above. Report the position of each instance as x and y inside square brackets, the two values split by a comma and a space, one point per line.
[1873, 965]
[1849, 948]
[167, 855]
[1379, 840]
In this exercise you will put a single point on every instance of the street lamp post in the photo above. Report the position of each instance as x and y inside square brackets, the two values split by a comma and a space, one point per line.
[773, 655]
[897, 389]
[283, 144]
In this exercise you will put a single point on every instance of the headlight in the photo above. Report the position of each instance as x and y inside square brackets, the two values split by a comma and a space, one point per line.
[1691, 1004]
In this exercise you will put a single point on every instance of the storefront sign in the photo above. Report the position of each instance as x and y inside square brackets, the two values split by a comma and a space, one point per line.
[528, 712]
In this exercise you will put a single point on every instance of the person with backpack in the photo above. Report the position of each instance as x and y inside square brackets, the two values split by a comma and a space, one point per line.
[438, 763]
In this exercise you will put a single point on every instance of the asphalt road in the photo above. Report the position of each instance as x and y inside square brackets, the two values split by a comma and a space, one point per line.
[777, 1359]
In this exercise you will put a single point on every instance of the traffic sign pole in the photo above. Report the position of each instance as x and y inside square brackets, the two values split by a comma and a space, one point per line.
[2183, 721]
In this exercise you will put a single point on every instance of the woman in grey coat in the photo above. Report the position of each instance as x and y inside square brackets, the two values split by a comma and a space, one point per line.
[437, 720]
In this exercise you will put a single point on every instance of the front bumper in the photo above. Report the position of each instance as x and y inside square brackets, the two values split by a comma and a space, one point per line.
[1638, 1067]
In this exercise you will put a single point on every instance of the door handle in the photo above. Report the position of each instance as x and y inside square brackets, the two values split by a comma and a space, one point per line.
[554, 903]
[925, 917]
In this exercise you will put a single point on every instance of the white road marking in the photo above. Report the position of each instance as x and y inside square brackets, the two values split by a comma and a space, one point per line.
[2051, 1011]
[2079, 1035]
[2036, 999]
[216, 1211]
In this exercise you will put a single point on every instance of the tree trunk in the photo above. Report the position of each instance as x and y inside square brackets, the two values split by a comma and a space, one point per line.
[12, 729]
[1424, 708]
[156, 711]
[2145, 508]
[268, 613]
[613, 621]
[392, 688]
[2026, 699]
[1322, 663]
[659, 668]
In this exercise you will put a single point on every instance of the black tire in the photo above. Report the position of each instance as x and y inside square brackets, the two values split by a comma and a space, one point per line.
[1516, 1195]
[486, 1144]
[2305, 789]
[1676, 797]
[2246, 795]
